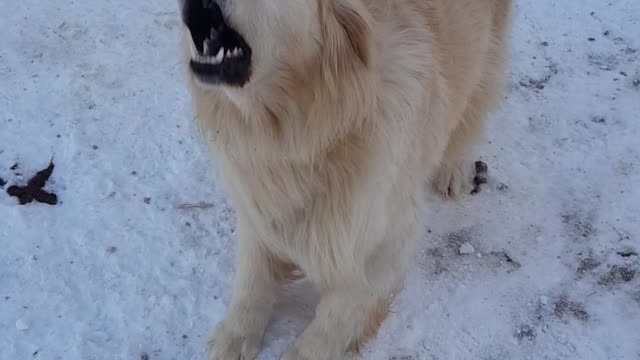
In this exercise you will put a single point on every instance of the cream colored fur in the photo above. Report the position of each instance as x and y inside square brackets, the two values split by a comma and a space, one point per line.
[353, 105]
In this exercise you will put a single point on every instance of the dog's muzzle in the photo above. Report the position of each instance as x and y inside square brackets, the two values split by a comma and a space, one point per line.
[219, 54]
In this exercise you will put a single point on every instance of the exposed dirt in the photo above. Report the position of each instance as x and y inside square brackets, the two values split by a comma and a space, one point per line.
[525, 332]
[617, 275]
[587, 265]
[564, 308]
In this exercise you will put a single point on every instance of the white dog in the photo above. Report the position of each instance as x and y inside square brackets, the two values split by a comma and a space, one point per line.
[327, 117]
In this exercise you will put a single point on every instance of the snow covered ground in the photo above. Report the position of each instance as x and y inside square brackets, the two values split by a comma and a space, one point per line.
[549, 267]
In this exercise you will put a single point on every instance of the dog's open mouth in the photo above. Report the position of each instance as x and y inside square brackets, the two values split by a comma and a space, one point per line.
[218, 53]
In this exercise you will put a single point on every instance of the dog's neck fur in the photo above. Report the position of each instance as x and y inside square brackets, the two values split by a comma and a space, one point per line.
[283, 118]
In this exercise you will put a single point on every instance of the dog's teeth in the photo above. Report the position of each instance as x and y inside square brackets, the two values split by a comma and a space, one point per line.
[228, 53]
[240, 52]
[194, 51]
[235, 52]
[220, 55]
[205, 48]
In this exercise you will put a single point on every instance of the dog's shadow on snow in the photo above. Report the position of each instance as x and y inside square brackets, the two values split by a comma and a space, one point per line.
[293, 312]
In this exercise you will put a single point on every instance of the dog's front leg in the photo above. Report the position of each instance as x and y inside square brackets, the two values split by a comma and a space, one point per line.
[239, 335]
[345, 319]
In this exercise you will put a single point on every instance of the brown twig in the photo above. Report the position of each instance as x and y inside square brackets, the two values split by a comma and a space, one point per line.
[201, 205]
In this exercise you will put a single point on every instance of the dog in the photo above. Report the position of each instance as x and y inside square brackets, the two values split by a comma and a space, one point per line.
[327, 120]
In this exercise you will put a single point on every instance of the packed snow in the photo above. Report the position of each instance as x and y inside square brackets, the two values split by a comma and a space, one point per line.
[136, 259]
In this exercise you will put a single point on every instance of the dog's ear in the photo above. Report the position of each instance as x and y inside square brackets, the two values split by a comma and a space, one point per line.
[347, 34]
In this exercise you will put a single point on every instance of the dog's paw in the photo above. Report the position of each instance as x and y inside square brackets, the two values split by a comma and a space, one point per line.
[226, 344]
[295, 352]
[452, 179]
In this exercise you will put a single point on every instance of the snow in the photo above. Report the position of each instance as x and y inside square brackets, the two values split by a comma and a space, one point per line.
[126, 267]
[466, 249]
[22, 325]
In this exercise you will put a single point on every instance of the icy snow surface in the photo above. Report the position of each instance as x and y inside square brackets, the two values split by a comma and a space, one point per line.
[120, 270]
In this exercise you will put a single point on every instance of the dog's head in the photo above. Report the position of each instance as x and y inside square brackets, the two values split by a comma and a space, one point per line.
[236, 42]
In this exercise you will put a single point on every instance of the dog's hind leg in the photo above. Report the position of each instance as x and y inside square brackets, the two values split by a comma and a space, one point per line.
[456, 166]
[454, 173]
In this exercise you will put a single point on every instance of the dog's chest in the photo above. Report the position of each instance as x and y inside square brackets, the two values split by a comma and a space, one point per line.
[276, 198]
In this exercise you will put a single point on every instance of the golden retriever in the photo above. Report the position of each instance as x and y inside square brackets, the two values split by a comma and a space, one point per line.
[326, 119]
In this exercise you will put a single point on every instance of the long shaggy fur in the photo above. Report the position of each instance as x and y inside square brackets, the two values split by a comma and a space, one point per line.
[352, 106]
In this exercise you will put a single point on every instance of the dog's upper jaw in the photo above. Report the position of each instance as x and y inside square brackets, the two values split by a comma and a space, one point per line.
[219, 55]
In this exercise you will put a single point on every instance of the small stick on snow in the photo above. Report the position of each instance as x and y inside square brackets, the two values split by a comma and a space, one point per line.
[201, 205]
